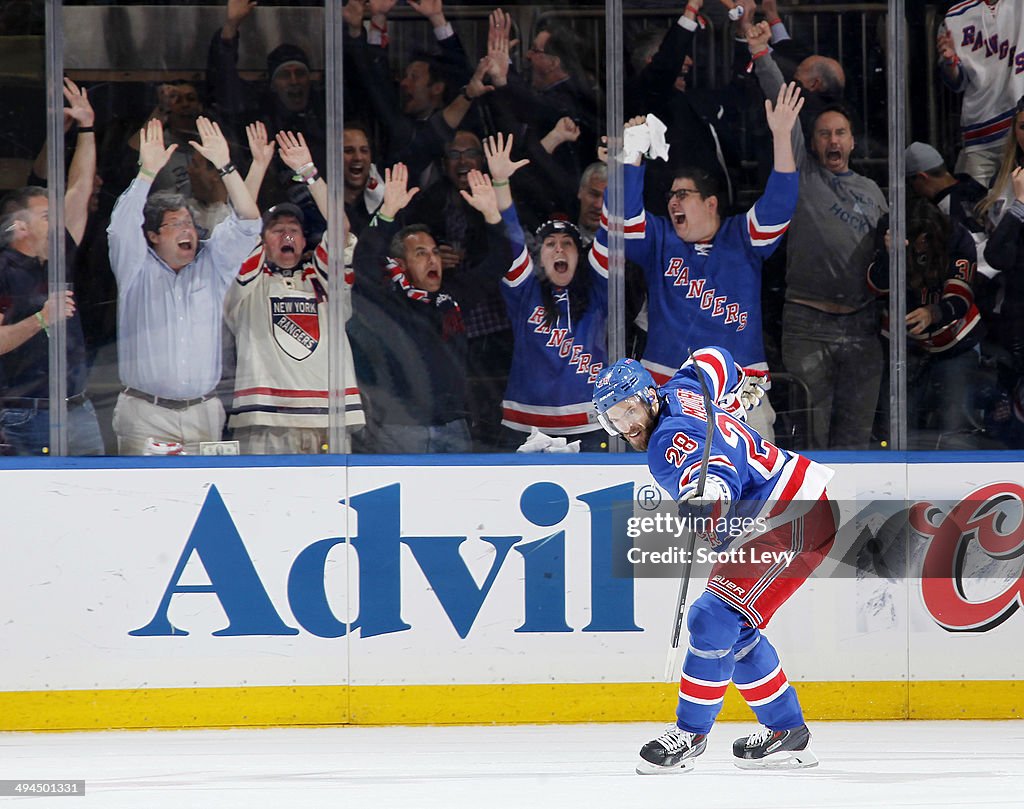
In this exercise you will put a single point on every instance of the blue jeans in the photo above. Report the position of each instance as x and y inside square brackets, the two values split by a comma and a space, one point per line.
[28, 430]
[398, 439]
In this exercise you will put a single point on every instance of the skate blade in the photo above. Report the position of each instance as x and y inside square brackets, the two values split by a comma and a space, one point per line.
[786, 760]
[646, 768]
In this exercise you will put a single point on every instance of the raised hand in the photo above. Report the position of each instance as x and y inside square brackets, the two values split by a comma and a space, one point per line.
[381, 8]
[787, 108]
[79, 110]
[397, 194]
[214, 146]
[152, 154]
[498, 150]
[476, 87]
[758, 36]
[237, 10]
[261, 148]
[294, 152]
[481, 196]
[499, 30]
[352, 13]
[568, 130]
[944, 45]
[433, 10]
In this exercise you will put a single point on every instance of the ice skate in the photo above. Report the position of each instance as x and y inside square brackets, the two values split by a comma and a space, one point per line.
[672, 751]
[766, 749]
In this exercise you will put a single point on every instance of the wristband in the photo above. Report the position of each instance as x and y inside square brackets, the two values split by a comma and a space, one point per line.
[954, 62]
[147, 173]
[224, 171]
[499, 183]
[42, 323]
[776, 21]
[308, 179]
[464, 94]
[759, 54]
[696, 11]
[82, 130]
[385, 218]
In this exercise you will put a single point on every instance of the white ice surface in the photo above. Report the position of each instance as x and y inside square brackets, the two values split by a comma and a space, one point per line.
[879, 764]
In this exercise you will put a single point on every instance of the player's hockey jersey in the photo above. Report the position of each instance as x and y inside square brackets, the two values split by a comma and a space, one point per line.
[764, 481]
[280, 325]
[554, 368]
[702, 293]
[988, 42]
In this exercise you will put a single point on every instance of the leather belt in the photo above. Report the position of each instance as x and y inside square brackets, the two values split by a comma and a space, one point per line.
[22, 403]
[163, 401]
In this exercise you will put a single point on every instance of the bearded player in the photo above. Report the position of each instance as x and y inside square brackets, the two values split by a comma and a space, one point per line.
[747, 477]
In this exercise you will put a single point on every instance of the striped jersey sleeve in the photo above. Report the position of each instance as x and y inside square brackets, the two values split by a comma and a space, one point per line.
[768, 220]
[639, 248]
[521, 267]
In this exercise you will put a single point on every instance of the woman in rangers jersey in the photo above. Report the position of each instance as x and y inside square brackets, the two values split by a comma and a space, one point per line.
[558, 308]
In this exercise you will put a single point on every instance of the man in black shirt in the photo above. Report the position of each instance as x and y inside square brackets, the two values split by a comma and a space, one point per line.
[27, 310]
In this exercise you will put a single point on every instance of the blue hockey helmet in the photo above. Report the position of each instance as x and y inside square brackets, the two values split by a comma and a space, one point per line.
[622, 380]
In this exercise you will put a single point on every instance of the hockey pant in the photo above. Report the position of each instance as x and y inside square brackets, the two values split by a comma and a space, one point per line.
[726, 643]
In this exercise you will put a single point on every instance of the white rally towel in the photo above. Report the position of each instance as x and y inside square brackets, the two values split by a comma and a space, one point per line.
[538, 442]
[648, 139]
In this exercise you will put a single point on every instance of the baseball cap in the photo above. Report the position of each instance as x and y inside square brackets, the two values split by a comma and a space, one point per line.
[271, 215]
[922, 157]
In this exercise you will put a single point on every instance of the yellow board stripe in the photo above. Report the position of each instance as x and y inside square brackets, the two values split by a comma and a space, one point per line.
[479, 704]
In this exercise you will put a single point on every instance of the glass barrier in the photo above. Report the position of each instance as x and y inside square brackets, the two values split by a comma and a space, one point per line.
[490, 322]
[193, 307]
[964, 358]
[30, 313]
[738, 248]
[199, 275]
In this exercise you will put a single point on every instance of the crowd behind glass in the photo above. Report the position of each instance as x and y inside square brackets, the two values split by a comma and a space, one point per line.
[473, 177]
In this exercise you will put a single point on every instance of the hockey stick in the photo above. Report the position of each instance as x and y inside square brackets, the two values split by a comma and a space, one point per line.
[684, 581]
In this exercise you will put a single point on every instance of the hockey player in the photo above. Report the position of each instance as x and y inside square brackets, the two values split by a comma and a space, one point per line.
[703, 272]
[277, 312]
[747, 476]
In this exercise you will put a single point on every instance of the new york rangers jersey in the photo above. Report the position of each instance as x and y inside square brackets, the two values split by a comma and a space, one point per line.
[702, 293]
[554, 367]
[987, 39]
[280, 325]
[764, 481]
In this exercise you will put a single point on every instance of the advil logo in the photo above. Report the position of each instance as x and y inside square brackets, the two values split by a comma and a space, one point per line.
[233, 578]
[989, 516]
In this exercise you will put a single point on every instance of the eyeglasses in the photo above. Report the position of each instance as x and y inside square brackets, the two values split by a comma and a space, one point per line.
[459, 154]
[178, 224]
[680, 194]
[533, 49]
